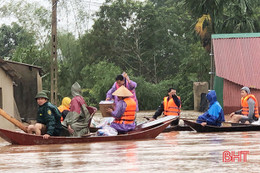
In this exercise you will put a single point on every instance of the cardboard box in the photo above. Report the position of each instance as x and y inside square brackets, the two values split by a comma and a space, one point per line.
[103, 105]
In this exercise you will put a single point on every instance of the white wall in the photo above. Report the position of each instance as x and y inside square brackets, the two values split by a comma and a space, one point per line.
[8, 99]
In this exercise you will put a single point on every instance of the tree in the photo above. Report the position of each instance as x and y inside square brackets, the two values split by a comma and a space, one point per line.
[140, 37]
[12, 37]
[233, 16]
[30, 16]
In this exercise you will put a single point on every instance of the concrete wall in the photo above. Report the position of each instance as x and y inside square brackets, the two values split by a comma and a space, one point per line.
[198, 88]
[26, 89]
[6, 84]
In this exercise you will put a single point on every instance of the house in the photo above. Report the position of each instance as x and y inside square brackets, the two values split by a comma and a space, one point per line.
[236, 61]
[26, 87]
[7, 101]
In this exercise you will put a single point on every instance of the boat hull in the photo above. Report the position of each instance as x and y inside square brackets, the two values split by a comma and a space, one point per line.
[235, 128]
[19, 138]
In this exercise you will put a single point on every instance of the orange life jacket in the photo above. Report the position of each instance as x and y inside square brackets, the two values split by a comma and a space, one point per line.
[61, 109]
[245, 108]
[170, 108]
[129, 115]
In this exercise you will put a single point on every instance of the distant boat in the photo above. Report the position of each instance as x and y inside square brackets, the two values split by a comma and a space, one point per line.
[234, 127]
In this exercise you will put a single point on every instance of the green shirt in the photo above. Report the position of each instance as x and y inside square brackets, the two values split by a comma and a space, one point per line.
[49, 115]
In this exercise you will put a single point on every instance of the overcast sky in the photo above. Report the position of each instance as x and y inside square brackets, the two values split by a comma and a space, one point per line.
[64, 17]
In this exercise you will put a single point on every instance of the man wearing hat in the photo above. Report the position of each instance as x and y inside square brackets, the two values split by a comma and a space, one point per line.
[124, 112]
[48, 118]
[249, 112]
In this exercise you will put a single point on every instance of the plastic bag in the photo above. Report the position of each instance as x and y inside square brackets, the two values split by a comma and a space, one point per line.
[106, 121]
[256, 122]
[107, 131]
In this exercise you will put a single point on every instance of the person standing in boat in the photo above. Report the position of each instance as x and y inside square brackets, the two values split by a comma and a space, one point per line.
[214, 115]
[249, 112]
[64, 108]
[123, 80]
[77, 120]
[171, 105]
[124, 112]
[48, 118]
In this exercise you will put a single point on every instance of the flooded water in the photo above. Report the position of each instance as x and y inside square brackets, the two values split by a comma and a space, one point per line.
[184, 151]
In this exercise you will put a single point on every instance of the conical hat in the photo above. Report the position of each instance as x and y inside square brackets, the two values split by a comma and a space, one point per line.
[122, 92]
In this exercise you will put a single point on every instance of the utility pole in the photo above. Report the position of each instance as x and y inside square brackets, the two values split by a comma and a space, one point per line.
[54, 62]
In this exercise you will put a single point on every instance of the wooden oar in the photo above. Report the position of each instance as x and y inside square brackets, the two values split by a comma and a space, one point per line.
[13, 120]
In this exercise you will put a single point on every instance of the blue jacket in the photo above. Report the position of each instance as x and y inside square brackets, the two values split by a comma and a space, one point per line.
[214, 115]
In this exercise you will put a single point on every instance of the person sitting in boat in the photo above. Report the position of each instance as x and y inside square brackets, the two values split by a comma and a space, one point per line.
[124, 112]
[171, 105]
[48, 118]
[249, 112]
[123, 79]
[214, 115]
[64, 108]
[77, 120]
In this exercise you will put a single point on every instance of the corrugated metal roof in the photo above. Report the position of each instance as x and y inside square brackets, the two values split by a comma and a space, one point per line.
[235, 35]
[238, 59]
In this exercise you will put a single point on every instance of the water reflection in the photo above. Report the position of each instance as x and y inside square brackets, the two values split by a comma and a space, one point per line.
[169, 152]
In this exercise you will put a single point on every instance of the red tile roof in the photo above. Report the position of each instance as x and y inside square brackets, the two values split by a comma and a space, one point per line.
[237, 58]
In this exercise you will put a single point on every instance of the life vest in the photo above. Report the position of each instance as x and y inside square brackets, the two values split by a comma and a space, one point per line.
[129, 115]
[170, 108]
[245, 108]
[61, 109]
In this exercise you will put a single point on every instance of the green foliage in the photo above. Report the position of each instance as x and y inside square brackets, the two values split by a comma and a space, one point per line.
[153, 41]
[97, 80]
[14, 37]
[141, 37]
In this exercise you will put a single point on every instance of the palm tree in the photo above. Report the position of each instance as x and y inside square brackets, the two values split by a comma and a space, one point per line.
[221, 16]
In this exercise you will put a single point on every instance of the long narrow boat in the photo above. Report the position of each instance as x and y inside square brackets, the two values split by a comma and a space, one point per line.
[168, 129]
[233, 128]
[146, 132]
[177, 128]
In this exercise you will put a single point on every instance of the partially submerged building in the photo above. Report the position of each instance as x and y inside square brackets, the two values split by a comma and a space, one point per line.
[19, 83]
[7, 101]
[236, 61]
[26, 88]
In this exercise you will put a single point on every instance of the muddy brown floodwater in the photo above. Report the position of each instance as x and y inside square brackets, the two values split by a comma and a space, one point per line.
[184, 151]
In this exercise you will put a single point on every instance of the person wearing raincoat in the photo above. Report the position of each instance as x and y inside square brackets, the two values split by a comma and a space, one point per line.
[123, 80]
[64, 108]
[77, 120]
[124, 112]
[214, 115]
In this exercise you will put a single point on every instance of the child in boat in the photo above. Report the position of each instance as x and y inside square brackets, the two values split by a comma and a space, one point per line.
[124, 112]
[249, 112]
[64, 108]
[214, 115]
[48, 118]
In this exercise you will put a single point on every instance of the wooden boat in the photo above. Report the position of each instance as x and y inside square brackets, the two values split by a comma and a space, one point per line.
[177, 128]
[168, 129]
[232, 128]
[147, 131]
